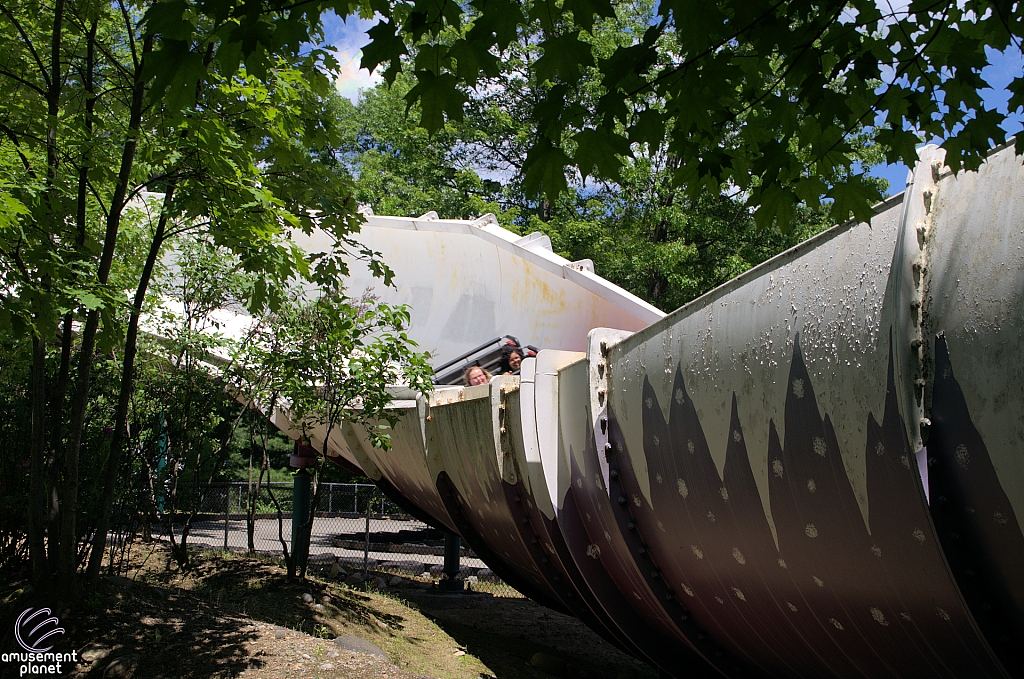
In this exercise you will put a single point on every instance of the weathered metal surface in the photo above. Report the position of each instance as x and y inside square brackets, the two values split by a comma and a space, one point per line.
[771, 468]
[813, 471]
[537, 407]
[407, 464]
[972, 287]
[471, 440]
[467, 282]
[614, 539]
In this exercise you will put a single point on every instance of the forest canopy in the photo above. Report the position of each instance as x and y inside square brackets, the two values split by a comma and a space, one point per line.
[764, 97]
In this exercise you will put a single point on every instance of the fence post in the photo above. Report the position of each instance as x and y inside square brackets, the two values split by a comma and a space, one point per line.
[227, 513]
[366, 547]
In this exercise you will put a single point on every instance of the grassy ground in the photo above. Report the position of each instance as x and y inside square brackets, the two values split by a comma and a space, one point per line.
[239, 616]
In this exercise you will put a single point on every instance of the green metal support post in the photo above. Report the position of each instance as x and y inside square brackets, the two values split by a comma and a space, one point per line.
[300, 515]
[452, 549]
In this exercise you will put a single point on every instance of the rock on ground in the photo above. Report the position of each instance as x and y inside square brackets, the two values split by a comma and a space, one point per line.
[359, 645]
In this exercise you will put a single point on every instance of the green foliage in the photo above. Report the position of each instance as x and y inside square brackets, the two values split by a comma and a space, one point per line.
[399, 169]
[764, 97]
[332, 358]
[670, 254]
[131, 129]
[640, 230]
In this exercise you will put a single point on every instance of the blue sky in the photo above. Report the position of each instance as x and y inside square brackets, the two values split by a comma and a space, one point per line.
[1003, 68]
[349, 36]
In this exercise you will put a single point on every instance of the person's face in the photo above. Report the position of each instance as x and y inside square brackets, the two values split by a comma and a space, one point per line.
[477, 377]
[514, 360]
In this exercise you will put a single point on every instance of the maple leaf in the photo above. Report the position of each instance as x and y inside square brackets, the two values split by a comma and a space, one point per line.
[564, 55]
[438, 96]
[544, 170]
[584, 11]
[384, 46]
[602, 150]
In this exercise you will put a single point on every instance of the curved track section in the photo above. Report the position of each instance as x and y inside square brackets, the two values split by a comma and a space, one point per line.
[816, 470]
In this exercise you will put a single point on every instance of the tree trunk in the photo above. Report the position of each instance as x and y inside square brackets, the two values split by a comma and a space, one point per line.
[53, 461]
[37, 447]
[127, 385]
[68, 537]
[37, 483]
[67, 335]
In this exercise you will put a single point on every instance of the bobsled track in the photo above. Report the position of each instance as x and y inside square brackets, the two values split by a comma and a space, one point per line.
[815, 470]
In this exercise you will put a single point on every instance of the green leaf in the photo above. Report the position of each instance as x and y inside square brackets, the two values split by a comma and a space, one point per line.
[544, 170]
[177, 70]
[1016, 89]
[437, 96]
[498, 18]
[472, 60]
[384, 46]
[600, 150]
[564, 55]
[854, 196]
[166, 18]
[433, 58]
[775, 204]
[648, 128]
[584, 11]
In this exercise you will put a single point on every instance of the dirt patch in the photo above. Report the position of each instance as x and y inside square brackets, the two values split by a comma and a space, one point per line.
[234, 616]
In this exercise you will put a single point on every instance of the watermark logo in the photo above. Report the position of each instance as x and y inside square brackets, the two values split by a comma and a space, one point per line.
[34, 627]
[36, 631]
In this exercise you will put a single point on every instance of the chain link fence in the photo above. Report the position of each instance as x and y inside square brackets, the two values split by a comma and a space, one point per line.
[355, 527]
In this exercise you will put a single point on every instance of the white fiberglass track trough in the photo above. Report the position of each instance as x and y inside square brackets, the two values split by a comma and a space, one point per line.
[813, 471]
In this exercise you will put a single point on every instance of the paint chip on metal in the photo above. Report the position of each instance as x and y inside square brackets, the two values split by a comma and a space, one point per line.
[683, 490]
[879, 617]
[963, 458]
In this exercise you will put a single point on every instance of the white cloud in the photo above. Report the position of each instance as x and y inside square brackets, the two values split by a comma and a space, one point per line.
[352, 79]
[348, 36]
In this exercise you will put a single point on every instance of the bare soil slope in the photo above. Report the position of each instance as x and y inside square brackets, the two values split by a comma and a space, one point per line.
[233, 616]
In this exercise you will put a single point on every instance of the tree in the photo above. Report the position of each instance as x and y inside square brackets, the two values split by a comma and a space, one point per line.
[763, 97]
[217, 106]
[332, 358]
[641, 231]
[182, 419]
[400, 169]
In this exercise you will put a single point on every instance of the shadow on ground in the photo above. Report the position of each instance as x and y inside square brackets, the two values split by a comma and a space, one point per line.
[507, 634]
